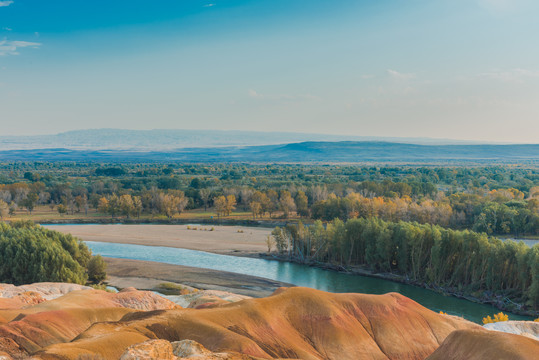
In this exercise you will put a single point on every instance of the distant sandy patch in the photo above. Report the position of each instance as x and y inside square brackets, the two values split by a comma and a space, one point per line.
[226, 240]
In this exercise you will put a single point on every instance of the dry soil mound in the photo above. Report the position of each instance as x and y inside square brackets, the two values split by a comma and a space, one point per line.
[293, 323]
[486, 345]
[62, 319]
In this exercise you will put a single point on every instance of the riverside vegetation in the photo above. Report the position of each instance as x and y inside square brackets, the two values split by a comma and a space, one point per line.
[460, 262]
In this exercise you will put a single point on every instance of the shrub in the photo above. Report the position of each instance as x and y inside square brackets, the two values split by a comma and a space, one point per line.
[97, 269]
[497, 318]
[172, 289]
[31, 253]
[103, 287]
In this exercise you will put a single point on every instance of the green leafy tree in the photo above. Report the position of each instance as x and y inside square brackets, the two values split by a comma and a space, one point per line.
[4, 209]
[62, 209]
[30, 202]
[302, 204]
[31, 253]
[97, 269]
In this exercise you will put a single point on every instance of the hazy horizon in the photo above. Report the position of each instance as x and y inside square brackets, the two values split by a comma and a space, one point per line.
[450, 69]
[288, 136]
[434, 139]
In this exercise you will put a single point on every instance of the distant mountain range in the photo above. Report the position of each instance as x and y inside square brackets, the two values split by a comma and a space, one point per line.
[167, 139]
[317, 152]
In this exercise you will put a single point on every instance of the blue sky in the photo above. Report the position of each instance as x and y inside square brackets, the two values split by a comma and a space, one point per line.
[462, 69]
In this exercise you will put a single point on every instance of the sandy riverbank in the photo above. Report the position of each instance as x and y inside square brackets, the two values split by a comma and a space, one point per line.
[226, 240]
[147, 275]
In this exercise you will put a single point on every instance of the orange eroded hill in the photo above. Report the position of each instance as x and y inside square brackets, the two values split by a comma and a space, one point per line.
[293, 323]
[489, 345]
[62, 319]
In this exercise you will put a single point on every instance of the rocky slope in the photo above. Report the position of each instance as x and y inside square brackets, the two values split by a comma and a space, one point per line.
[16, 297]
[205, 298]
[524, 328]
[185, 349]
[294, 323]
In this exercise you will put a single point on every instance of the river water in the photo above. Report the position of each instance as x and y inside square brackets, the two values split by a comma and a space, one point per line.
[300, 275]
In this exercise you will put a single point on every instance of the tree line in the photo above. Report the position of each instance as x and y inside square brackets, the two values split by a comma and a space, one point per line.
[503, 211]
[464, 261]
[495, 200]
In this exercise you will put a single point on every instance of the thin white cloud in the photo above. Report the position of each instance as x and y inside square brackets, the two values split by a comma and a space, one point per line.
[11, 47]
[6, 3]
[209, 5]
[253, 94]
[513, 75]
[398, 75]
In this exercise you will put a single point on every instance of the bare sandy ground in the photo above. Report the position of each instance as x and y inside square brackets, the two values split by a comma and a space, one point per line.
[226, 240]
[147, 275]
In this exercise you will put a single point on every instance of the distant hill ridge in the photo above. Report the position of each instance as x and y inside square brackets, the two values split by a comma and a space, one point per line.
[169, 139]
[319, 152]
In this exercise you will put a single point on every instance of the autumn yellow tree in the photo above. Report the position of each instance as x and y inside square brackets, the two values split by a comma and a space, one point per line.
[137, 205]
[263, 200]
[103, 205]
[126, 205]
[181, 200]
[169, 204]
[256, 208]
[286, 203]
[220, 205]
[230, 204]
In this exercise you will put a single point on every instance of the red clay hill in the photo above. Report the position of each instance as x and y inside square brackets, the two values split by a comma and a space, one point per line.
[294, 323]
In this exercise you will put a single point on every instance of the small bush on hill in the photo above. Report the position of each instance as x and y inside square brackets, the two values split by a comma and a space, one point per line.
[497, 318]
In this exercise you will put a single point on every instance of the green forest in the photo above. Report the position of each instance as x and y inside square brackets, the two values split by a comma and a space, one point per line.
[496, 200]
